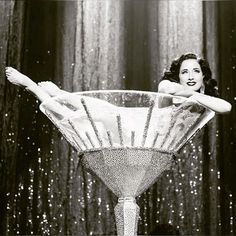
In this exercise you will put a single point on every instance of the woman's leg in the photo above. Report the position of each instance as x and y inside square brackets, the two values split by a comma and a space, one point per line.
[51, 89]
[20, 79]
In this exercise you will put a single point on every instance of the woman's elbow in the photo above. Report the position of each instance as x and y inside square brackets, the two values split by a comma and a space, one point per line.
[225, 109]
[164, 87]
[161, 88]
[228, 107]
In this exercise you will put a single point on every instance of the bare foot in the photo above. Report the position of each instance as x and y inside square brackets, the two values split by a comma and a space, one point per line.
[50, 88]
[15, 77]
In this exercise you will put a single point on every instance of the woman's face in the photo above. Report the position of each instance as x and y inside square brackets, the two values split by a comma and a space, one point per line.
[190, 74]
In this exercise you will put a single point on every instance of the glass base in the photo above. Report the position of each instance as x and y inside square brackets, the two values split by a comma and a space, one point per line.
[127, 214]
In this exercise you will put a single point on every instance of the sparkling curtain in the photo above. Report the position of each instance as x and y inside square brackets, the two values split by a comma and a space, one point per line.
[87, 45]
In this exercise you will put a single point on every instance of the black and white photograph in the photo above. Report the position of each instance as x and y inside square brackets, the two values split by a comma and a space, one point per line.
[117, 117]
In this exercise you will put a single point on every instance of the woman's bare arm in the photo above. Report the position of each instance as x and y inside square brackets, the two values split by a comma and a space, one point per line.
[166, 86]
[216, 104]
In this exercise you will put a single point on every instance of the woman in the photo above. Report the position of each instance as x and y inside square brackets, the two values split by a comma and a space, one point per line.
[46, 89]
[190, 76]
[42, 90]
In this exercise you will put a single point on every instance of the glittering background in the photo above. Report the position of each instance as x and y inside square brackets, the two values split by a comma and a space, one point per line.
[44, 189]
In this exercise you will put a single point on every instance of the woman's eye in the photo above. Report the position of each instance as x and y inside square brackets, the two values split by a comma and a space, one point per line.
[184, 72]
[196, 70]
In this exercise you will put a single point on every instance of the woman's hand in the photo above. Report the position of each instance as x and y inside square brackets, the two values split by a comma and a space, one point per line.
[216, 104]
[173, 88]
[184, 92]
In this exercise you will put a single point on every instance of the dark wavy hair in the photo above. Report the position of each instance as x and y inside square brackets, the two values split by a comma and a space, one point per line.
[173, 74]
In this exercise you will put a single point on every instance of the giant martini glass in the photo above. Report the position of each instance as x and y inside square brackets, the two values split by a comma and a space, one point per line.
[127, 138]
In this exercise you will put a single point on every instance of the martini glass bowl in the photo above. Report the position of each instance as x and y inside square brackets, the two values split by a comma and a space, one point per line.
[126, 138]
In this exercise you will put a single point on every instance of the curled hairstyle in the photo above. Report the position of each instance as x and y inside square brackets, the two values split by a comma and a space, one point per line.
[209, 83]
